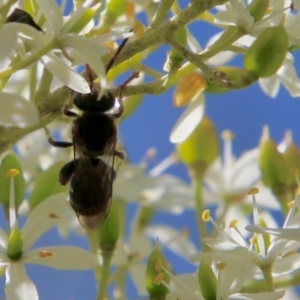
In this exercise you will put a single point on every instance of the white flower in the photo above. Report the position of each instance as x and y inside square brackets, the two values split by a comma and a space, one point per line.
[18, 285]
[290, 230]
[131, 255]
[60, 37]
[16, 111]
[186, 286]
[227, 184]
[275, 256]
[159, 191]
[189, 120]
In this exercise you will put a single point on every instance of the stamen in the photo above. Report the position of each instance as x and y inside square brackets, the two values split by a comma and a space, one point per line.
[53, 216]
[253, 191]
[206, 215]
[163, 166]
[221, 266]
[233, 223]
[45, 254]
[12, 173]
[158, 265]
[159, 278]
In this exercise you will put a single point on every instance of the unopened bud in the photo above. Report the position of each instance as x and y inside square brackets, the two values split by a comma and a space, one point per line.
[267, 53]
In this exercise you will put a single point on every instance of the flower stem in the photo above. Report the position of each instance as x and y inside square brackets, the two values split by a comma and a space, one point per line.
[105, 273]
[198, 182]
[267, 272]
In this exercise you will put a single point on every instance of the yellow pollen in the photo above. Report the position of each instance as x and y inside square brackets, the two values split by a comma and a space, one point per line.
[12, 173]
[253, 191]
[295, 172]
[269, 10]
[253, 240]
[53, 216]
[185, 231]
[221, 266]
[227, 135]
[159, 278]
[206, 215]
[45, 253]
[233, 223]
[158, 265]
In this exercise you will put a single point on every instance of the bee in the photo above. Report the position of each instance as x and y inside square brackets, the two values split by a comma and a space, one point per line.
[94, 136]
[20, 16]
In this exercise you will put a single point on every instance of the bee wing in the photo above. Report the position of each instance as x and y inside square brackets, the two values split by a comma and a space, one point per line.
[91, 187]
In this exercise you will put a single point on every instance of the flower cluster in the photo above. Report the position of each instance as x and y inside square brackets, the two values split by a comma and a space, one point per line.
[236, 247]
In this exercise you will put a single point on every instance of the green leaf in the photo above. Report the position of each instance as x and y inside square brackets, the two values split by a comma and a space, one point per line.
[10, 161]
[46, 185]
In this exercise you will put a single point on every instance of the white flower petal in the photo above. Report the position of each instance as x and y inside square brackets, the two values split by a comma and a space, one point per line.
[169, 193]
[246, 170]
[284, 233]
[3, 241]
[18, 285]
[131, 180]
[8, 38]
[15, 110]
[53, 15]
[174, 240]
[61, 257]
[258, 296]
[64, 73]
[270, 85]
[43, 217]
[188, 120]
[87, 55]
[138, 274]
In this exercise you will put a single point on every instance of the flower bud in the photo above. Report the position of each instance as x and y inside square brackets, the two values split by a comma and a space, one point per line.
[207, 281]
[234, 78]
[108, 233]
[291, 153]
[10, 161]
[267, 53]
[188, 89]
[115, 9]
[258, 8]
[175, 58]
[47, 185]
[201, 148]
[15, 244]
[274, 168]
[155, 274]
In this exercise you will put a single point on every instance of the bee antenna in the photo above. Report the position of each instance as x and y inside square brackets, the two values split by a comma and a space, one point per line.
[113, 59]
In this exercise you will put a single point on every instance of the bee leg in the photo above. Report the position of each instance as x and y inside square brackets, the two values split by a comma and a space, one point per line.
[120, 98]
[113, 59]
[59, 144]
[66, 172]
[89, 73]
[67, 112]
